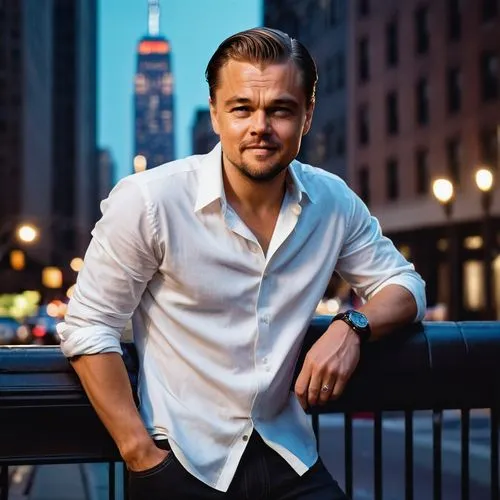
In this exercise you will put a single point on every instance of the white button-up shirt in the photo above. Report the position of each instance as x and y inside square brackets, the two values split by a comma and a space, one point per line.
[217, 323]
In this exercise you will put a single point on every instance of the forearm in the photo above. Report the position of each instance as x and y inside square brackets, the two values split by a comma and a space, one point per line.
[105, 380]
[391, 308]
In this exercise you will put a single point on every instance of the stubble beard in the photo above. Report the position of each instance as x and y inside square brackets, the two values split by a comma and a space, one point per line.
[259, 175]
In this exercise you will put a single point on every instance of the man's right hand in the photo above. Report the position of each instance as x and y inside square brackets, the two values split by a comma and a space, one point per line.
[146, 458]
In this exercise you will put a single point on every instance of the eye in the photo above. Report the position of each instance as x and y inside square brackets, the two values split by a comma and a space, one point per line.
[281, 112]
[240, 110]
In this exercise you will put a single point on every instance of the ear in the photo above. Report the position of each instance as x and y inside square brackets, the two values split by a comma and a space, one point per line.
[213, 116]
[308, 120]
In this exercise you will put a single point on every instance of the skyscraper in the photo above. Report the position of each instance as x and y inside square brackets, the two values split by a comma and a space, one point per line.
[154, 100]
[48, 144]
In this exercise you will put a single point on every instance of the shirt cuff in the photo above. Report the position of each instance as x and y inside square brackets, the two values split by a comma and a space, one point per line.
[93, 339]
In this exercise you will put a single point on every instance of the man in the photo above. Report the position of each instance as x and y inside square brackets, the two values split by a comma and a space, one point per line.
[221, 260]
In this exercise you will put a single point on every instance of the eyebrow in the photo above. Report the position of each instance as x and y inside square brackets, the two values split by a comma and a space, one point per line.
[283, 101]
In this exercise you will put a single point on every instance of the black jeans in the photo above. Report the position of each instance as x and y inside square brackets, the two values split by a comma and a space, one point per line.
[261, 475]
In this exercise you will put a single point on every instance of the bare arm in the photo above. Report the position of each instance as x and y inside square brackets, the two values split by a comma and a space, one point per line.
[107, 385]
[394, 294]
[121, 260]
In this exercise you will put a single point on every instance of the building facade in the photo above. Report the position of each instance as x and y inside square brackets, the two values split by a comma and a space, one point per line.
[322, 26]
[203, 137]
[47, 130]
[424, 102]
[154, 97]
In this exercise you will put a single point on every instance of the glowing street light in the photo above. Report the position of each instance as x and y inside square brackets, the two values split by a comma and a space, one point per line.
[27, 233]
[484, 179]
[443, 190]
[140, 163]
[76, 264]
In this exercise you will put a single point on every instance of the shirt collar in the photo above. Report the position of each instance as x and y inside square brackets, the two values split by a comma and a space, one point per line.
[211, 186]
[294, 182]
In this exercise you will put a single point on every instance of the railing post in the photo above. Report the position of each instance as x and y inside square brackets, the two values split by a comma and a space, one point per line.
[4, 482]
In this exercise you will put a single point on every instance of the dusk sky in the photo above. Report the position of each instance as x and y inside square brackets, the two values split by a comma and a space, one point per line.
[194, 28]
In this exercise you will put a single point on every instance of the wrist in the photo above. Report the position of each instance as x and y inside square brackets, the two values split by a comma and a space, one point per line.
[136, 449]
[338, 328]
[356, 321]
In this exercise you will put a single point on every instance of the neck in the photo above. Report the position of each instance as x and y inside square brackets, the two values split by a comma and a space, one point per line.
[249, 194]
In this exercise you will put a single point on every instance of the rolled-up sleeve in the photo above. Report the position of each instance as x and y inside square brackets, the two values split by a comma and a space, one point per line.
[120, 261]
[369, 261]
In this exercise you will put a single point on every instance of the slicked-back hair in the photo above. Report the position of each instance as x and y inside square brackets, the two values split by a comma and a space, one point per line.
[263, 46]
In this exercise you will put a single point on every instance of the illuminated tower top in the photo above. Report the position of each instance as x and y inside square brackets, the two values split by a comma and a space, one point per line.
[153, 18]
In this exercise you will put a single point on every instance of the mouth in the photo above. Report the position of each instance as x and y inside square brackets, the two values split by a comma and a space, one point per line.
[262, 148]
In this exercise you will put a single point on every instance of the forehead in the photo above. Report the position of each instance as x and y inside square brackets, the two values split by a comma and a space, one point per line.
[245, 78]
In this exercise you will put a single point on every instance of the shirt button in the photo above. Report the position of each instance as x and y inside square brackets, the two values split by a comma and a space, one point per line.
[297, 209]
[265, 319]
[245, 437]
[264, 360]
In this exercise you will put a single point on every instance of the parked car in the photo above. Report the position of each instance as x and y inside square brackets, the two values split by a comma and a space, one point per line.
[8, 330]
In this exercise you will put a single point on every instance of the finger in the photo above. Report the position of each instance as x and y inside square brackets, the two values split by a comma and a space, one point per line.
[326, 391]
[339, 387]
[314, 391]
[302, 384]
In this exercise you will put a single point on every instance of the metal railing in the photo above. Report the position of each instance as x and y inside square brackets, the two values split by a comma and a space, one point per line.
[433, 366]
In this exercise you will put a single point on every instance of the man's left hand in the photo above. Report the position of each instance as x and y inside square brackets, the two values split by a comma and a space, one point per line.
[328, 366]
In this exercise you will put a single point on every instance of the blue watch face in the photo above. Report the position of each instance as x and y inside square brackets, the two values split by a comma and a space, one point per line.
[358, 319]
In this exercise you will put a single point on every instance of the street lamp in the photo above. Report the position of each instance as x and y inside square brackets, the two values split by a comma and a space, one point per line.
[484, 181]
[444, 193]
[27, 233]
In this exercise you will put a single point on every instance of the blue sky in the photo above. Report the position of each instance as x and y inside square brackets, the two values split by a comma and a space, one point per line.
[194, 27]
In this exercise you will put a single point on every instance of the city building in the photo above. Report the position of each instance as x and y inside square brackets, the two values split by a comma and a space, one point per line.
[107, 169]
[154, 98]
[424, 102]
[322, 26]
[48, 153]
[203, 137]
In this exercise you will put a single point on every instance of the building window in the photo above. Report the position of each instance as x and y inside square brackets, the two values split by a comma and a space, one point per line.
[422, 171]
[489, 147]
[422, 29]
[363, 125]
[364, 184]
[329, 133]
[340, 142]
[336, 12]
[363, 8]
[335, 73]
[339, 65]
[454, 19]
[392, 183]
[363, 60]
[391, 43]
[329, 75]
[454, 90]
[489, 75]
[454, 158]
[391, 105]
[422, 102]
[489, 10]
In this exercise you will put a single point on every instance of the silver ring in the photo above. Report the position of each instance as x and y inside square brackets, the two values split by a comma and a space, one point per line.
[325, 388]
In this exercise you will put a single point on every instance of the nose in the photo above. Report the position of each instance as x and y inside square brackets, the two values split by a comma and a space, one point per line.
[260, 123]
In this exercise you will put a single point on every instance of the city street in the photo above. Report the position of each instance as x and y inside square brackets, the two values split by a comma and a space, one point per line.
[89, 481]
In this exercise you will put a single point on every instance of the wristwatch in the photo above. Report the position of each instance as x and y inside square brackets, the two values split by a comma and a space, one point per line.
[357, 321]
